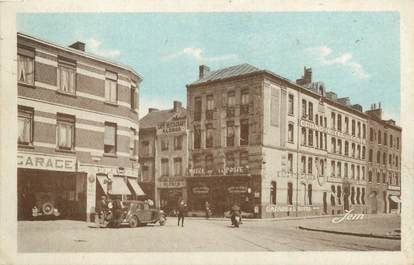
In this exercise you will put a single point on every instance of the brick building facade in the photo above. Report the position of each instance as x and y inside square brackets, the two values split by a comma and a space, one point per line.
[78, 129]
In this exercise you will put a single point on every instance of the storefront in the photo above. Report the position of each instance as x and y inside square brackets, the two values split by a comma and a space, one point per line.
[50, 187]
[171, 190]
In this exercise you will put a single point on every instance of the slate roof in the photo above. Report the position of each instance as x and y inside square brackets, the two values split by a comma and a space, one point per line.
[153, 118]
[223, 73]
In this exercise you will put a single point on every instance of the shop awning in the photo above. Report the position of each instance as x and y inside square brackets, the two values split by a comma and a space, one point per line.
[395, 198]
[102, 182]
[135, 186]
[119, 187]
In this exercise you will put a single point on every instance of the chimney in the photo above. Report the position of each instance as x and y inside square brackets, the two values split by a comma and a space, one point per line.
[331, 95]
[78, 46]
[375, 111]
[152, 109]
[306, 78]
[177, 105]
[202, 71]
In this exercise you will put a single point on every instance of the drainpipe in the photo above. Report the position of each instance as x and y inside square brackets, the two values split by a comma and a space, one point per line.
[297, 155]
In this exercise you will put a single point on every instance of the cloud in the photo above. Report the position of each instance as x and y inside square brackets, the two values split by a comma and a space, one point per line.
[94, 46]
[323, 55]
[197, 54]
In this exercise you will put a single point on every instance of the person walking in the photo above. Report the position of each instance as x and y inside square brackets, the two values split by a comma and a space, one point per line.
[181, 212]
[101, 207]
[208, 210]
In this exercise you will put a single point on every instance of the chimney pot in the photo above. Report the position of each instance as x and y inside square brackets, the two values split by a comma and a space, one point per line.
[78, 46]
[202, 71]
[177, 105]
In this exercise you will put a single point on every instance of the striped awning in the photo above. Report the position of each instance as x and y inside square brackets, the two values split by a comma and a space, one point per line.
[119, 187]
[135, 186]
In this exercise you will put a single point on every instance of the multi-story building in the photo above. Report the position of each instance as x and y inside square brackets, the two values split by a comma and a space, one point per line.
[163, 155]
[384, 158]
[78, 124]
[273, 146]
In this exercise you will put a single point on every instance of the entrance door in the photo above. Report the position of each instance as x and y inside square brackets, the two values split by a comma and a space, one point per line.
[325, 204]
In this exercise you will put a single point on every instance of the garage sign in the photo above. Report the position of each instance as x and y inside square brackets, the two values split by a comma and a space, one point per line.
[45, 162]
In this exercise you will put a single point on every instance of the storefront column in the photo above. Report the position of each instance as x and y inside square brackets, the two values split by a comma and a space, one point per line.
[90, 193]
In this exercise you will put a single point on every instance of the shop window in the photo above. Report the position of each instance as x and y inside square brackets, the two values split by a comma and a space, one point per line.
[273, 191]
[111, 87]
[353, 195]
[25, 69]
[310, 194]
[304, 104]
[303, 136]
[310, 165]
[132, 145]
[164, 167]
[310, 114]
[303, 162]
[290, 193]
[339, 168]
[363, 196]
[339, 195]
[178, 142]
[230, 133]
[164, 143]
[197, 137]
[110, 138]
[339, 121]
[290, 162]
[25, 126]
[358, 194]
[197, 109]
[332, 195]
[178, 168]
[310, 137]
[290, 133]
[209, 136]
[244, 158]
[210, 107]
[65, 132]
[291, 104]
[134, 96]
[244, 132]
[244, 106]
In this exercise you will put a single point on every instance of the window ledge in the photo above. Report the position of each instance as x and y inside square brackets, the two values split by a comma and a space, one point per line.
[66, 93]
[111, 104]
[65, 151]
[27, 146]
[26, 84]
[110, 155]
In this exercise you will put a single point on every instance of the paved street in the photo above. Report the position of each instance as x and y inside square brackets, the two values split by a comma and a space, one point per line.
[200, 235]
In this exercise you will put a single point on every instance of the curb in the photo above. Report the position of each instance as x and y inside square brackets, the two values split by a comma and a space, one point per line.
[349, 233]
[264, 219]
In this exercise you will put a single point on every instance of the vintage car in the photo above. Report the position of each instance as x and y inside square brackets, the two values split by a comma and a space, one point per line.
[137, 213]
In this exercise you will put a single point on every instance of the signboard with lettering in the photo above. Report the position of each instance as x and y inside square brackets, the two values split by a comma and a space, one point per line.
[171, 183]
[241, 170]
[173, 126]
[201, 190]
[311, 125]
[237, 189]
[46, 162]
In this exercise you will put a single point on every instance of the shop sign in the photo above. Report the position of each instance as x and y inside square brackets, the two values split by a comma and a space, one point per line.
[171, 183]
[220, 171]
[237, 189]
[201, 190]
[329, 131]
[174, 126]
[45, 162]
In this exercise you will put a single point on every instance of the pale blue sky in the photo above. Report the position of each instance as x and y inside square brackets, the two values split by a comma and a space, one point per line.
[356, 54]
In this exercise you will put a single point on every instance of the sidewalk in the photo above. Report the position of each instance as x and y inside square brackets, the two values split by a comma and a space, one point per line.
[386, 226]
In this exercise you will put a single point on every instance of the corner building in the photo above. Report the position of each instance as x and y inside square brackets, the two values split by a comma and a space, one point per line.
[78, 129]
[272, 146]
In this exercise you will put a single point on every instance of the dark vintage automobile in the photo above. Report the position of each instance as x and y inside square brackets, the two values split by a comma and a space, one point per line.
[136, 213]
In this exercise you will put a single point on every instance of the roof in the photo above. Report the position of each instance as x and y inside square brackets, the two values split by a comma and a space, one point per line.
[232, 71]
[78, 52]
[152, 119]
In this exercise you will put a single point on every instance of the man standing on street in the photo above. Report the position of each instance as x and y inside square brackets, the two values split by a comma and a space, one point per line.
[100, 209]
[181, 212]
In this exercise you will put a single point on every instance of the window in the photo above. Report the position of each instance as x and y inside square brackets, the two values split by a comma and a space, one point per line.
[396, 161]
[304, 108]
[391, 142]
[210, 107]
[333, 144]
[316, 139]
[346, 148]
[363, 173]
[230, 133]
[244, 158]
[370, 157]
[390, 159]
[231, 98]
[370, 176]
[346, 124]
[25, 69]
[310, 137]
[353, 171]
[333, 120]
[321, 140]
[353, 127]
[197, 108]
[364, 131]
[397, 180]
[209, 136]
[384, 158]
[363, 152]
[290, 133]
[326, 122]
[25, 126]
[378, 177]
[66, 78]
[358, 195]
[290, 162]
[339, 167]
[310, 114]
[164, 167]
[310, 165]
[340, 146]
[339, 194]
[316, 119]
[230, 161]
[310, 194]
[332, 195]
[359, 129]
[178, 142]
[379, 137]
[134, 96]
[398, 142]
[290, 193]
[164, 144]
[244, 107]
[363, 196]
[197, 137]
[359, 152]
[353, 150]
[371, 134]
[273, 192]
[378, 157]
[132, 146]
[339, 120]
[177, 166]
[346, 170]
[244, 132]
[385, 138]
[111, 88]
[290, 104]
[303, 162]
[209, 161]
[145, 148]
[303, 136]
[110, 138]
[353, 195]
[65, 131]
[325, 141]
[333, 168]
[384, 178]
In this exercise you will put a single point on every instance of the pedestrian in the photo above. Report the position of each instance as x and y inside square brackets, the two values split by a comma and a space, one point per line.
[208, 210]
[101, 207]
[181, 212]
[117, 213]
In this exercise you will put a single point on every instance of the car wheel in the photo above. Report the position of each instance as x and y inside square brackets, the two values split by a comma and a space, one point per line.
[162, 221]
[133, 222]
[47, 208]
